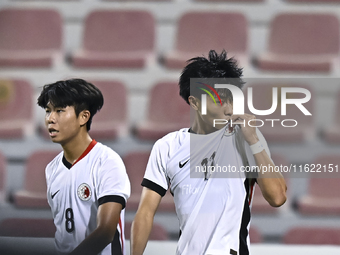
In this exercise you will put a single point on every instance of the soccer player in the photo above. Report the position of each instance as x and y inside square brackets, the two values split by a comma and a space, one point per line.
[213, 209]
[87, 184]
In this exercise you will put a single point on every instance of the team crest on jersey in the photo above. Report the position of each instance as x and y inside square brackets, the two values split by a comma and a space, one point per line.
[84, 192]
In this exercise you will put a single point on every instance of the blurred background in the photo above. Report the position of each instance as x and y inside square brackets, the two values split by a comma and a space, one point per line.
[134, 51]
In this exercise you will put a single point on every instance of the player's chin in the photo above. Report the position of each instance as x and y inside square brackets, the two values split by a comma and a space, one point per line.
[55, 139]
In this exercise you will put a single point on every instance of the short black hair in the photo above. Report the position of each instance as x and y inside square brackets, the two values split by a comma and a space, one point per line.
[216, 66]
[78, 93]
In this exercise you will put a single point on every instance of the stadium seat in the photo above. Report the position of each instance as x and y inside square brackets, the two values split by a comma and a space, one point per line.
[312, 235]
[139, 0]
[302, 42]
[116, 39]
[199, 32]
[260, 205]
[33, 194]
[275, 131]
[254, 235]
[16, 109]
[2, 178]
[331, 133]
[219, 1]
[158, 232]
[30, 37]
[135, 163]
[167, 112]
[314, 1]
[111, 121]
[26, 227]
[322, 197]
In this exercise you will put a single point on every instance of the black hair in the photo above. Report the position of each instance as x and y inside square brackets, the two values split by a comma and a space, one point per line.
[217, 66]
[78, 93]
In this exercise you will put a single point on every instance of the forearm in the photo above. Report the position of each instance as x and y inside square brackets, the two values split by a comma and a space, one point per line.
[272, 183]
[94, 243]
[140, 231]
[142, 224]
[107, 220]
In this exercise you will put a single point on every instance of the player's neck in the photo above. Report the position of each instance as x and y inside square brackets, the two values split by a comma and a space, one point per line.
[201, 128]
[75, 148]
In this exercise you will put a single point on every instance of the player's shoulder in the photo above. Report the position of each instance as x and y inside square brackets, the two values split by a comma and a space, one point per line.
[54, 163]
[173, 139]
[105, 160]
[103, 155]
[104, 152]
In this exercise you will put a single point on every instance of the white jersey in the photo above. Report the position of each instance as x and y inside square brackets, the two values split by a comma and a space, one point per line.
[213, 208]
[76, 191]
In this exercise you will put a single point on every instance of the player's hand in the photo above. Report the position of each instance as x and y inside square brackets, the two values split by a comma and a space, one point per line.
[249, 132]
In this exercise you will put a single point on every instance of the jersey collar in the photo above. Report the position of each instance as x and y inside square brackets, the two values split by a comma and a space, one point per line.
[88, 149]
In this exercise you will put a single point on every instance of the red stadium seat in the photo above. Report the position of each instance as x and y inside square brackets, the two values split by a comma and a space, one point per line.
[255, 236]
[241, 1]
[30, 37]
[33, 194]
[2, 178]
[111, 121]
[260, 205]
[158, 232]
[167, 112]
[25, 227]
[314, 1]
[199, 32]
[312, 235]
[331, 133]
[116, 38]
[16, 109]
[302, 42]
[135, 163]
[322, 197]
[138, 0]
[274, 131]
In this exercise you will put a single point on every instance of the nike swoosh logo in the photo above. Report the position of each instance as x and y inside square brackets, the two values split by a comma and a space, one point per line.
[181, 165]
[55, 194]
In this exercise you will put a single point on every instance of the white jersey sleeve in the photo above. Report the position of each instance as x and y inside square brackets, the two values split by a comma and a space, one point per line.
[112, 179]
[155, 174]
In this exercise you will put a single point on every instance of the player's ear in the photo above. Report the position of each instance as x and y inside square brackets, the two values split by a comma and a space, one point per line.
[84, 117]
[194, 102]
